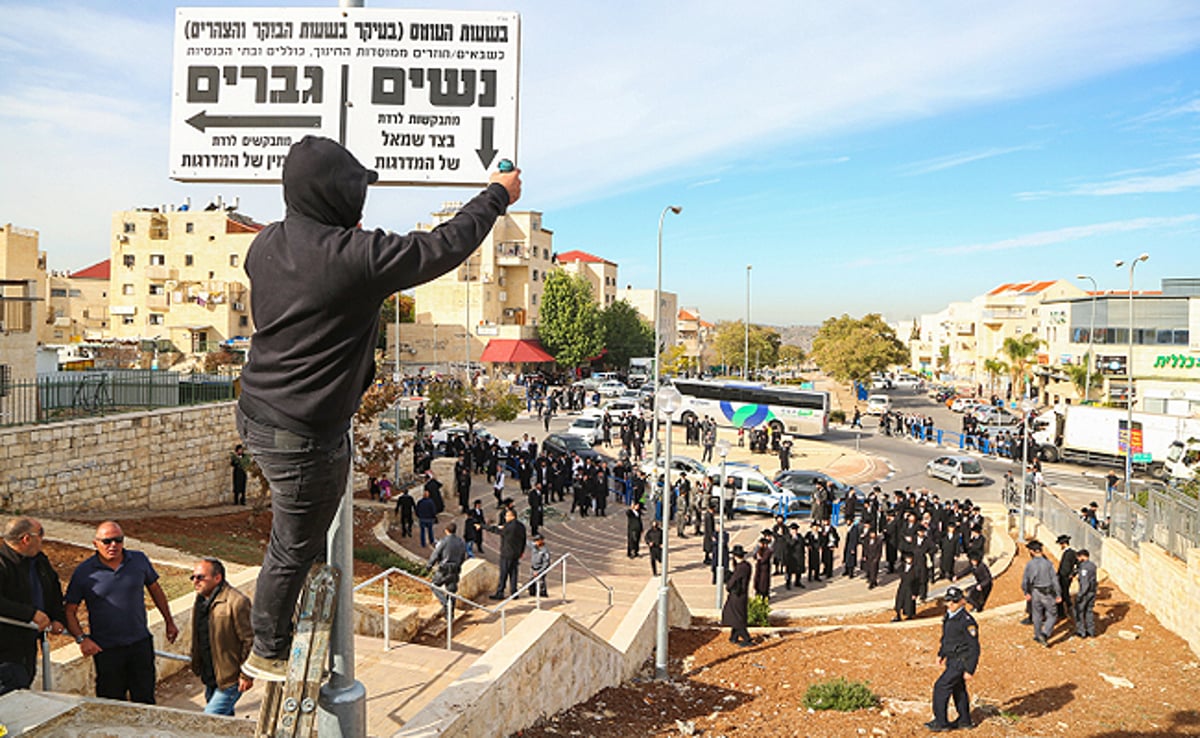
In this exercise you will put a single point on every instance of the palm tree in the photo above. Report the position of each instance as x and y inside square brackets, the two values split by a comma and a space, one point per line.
[1020, 351]
[995, 369]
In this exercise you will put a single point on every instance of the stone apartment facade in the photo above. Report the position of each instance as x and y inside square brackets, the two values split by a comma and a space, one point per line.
[178, 275]
[77, 305]
[22, 304]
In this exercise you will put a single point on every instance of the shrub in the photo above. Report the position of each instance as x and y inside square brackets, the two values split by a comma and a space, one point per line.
[839, 694]
[385, 559]
[837, 416]
[758, 614]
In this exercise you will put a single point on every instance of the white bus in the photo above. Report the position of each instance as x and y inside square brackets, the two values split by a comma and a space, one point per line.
[738, 405]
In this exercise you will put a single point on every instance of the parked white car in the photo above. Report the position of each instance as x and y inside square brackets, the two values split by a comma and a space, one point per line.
[587, 427]
[612, 388]
[754, 492]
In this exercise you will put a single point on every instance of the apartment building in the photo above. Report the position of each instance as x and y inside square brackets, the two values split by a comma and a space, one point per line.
[643, 301]
[178, 275]
[601, 274]
[696, 336]
[77, 305]
[494, 294]
[22, 307]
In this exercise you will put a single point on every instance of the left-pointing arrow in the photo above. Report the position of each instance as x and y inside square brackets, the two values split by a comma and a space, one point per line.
[203, 120]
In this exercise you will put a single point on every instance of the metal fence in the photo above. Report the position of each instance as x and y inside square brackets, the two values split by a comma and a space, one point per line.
[1169, 519]
[1060, 518]
[71, 395]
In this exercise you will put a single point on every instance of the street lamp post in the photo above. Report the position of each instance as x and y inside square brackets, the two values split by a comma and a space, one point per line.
[658, 348]
[1026, 406]
[667, 400]
[722, 451]
[1087, 365]
[1129, 391]
[746, 348]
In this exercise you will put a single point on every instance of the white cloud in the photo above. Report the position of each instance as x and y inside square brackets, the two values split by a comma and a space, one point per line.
[928, 166]
[1069, 234]
[1134, 185]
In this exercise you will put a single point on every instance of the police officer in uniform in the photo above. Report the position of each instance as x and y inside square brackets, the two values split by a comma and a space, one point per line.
[1042, 591]
[960, 655]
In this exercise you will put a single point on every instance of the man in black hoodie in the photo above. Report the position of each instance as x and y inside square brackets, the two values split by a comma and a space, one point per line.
[317, 283]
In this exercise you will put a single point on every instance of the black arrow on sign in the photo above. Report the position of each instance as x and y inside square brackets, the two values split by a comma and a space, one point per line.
[485, 150]
[202, 120]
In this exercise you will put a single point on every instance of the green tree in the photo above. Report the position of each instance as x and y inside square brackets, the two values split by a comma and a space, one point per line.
[995, 368]
[569, 321]
[1021, 353]
[375, 452]
[674, 360]
[387, 316]
[730, 343]
[790, 355]
[469, 405]
[852, 349]
[1078, 373]
[626, 335]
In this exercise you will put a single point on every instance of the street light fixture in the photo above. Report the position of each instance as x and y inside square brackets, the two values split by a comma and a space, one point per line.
[1087, 365]
[746, 348]
[1129, 390]
[723, 452]
[658, 347]
[667, 400]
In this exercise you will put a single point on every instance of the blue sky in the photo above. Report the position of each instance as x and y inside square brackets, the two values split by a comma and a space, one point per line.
[863, 156]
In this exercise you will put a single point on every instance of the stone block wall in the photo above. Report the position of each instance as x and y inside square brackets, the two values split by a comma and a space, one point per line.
[156, 460]
[170, 459]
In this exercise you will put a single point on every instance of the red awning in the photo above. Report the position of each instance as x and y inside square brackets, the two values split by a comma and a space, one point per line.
[513, 351]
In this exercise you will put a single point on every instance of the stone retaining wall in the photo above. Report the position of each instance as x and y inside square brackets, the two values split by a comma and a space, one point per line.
[1167, 587]
[546, 664]
[171, 459]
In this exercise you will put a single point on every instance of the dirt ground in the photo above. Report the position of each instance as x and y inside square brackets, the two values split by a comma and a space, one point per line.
[1020, 688]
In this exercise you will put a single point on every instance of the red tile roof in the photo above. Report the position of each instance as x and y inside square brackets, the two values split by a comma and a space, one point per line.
[577, 255]
[1023, 288]
[686, 315]
[99, 270]
[233, 226]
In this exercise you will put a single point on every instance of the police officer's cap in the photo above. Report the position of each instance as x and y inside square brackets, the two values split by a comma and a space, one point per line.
[1063, 539]
[954, 594]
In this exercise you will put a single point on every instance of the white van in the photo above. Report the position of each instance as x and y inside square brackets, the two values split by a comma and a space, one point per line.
[878, 404]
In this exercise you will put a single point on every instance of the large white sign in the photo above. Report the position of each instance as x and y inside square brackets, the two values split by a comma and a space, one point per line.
[421, 96]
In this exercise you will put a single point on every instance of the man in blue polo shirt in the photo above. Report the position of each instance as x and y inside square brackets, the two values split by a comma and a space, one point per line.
[110, 584]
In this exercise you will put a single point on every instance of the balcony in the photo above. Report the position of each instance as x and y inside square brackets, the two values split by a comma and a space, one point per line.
[157, 302]
[996, 315]
[512, 253]
[160, 273]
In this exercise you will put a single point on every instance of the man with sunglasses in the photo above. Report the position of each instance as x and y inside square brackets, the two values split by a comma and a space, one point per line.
[221, 637]
[29, 592]
[110, 584]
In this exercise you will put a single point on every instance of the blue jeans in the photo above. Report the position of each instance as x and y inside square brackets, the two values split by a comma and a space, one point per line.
[426, 525]
[308, 480]
[220, 701]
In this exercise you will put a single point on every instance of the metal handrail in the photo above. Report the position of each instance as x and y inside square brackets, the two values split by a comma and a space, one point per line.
[47, 678]
[499, 608]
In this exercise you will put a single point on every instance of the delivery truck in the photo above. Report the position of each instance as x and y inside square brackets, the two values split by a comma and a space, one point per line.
[1162, 444]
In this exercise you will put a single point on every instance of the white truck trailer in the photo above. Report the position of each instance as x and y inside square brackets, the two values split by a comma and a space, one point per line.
[1096, 435]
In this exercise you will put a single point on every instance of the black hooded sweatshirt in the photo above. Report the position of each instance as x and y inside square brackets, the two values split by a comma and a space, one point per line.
[317, 283]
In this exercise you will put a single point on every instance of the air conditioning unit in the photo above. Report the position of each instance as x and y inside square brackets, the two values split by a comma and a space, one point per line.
[239, 307]
[503, 296]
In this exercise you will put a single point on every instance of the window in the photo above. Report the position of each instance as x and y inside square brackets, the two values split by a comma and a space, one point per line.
[128, 260]
[156, 318]
[233, 260]
[126, 289]
[126, 320]
[533, 299]
[243, 321]
[130, 227]
[190, 228]
[535, 275]
[157, 289]
[75, 293]
[58, 292]
[188, 259]
[157, 260]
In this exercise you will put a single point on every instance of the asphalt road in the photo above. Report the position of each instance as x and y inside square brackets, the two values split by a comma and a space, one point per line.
[1075, 485]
